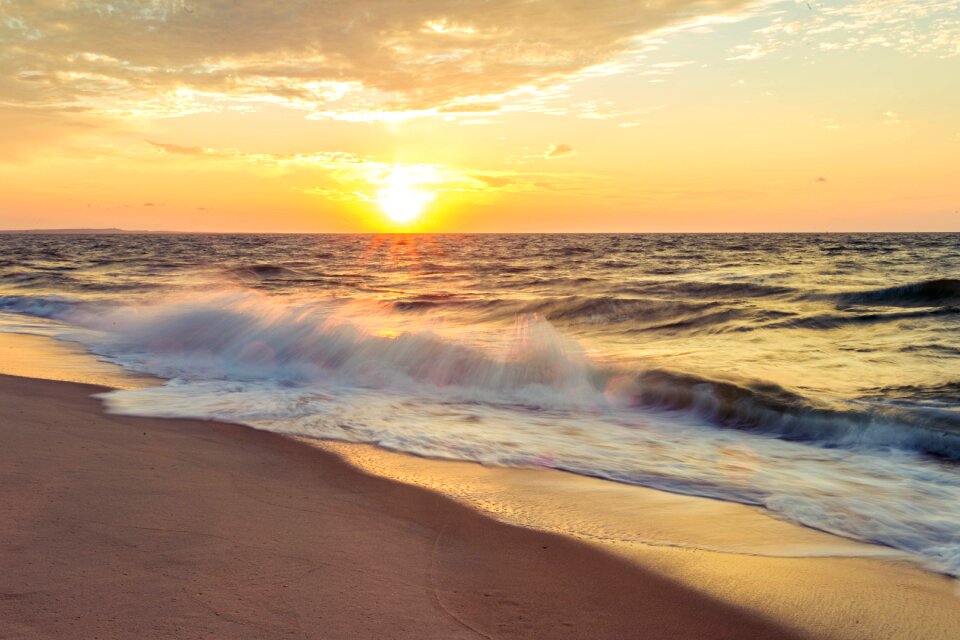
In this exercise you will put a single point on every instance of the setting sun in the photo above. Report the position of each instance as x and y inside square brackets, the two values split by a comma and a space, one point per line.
[402, 198]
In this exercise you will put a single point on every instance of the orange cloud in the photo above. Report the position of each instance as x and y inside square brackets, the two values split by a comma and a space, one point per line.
[178, 149]
[559, 151]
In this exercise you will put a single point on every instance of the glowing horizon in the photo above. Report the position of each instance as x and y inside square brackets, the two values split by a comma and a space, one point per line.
[681, 115]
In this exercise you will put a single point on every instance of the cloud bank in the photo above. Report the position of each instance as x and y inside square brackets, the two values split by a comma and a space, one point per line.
[151, 56]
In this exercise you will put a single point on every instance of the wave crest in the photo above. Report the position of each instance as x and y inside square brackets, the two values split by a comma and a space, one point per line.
[247, 336]
[942, 291]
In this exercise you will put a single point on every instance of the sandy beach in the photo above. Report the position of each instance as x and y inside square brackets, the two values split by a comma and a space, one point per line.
[118, 527]
[127, 527]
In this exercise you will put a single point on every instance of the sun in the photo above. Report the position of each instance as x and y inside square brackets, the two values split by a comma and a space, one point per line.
[402, 197]
[403, 203]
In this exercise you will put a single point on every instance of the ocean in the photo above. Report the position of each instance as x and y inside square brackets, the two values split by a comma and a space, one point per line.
[814, 375]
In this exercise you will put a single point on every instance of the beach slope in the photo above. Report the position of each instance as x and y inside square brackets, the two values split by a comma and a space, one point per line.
[119, 527]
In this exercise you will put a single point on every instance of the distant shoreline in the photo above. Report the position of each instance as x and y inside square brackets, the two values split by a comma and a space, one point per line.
[78, 232]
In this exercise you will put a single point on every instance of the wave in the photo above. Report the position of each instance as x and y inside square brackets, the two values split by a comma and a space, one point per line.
[52, 306]
[709, 290]
[941, 396]
[715, 321]
[263, 271]
[250, 336]
[633, 315]
[770, 409]
[928, 293]
[553, 283]
[834, 320]
[644, 313]
[610, 309]
[932, 349]
[19, 277]
[425, 302]
[570, 250]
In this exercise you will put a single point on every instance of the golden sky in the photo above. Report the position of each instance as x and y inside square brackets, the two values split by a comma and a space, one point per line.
[480, 115]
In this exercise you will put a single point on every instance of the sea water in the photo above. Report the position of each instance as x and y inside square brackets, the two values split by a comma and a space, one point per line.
[816, 376]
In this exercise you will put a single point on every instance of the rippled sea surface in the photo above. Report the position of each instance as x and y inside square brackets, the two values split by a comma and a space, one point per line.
[817, 376]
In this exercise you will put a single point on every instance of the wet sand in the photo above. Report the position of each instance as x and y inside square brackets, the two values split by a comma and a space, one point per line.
[814, 583]
[119, 527]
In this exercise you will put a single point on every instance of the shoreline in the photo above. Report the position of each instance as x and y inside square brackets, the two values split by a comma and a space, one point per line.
[141, 527]
[533, 497]
[835, 595]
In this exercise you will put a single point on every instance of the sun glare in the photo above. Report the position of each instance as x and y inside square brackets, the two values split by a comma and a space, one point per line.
[402, 197]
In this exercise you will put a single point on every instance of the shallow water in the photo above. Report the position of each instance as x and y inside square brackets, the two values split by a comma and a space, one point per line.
[814, 375]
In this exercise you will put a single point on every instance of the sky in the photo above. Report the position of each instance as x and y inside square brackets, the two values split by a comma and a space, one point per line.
[480, 115]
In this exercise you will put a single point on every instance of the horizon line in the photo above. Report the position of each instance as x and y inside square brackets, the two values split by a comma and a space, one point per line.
[120, 231]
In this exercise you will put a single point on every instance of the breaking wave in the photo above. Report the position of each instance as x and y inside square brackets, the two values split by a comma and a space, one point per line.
[252, 337]
[39, 306]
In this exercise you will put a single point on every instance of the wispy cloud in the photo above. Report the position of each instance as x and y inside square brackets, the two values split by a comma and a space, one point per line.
[559, 151]
[348, 177]
[931, 27]
[178, 149]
